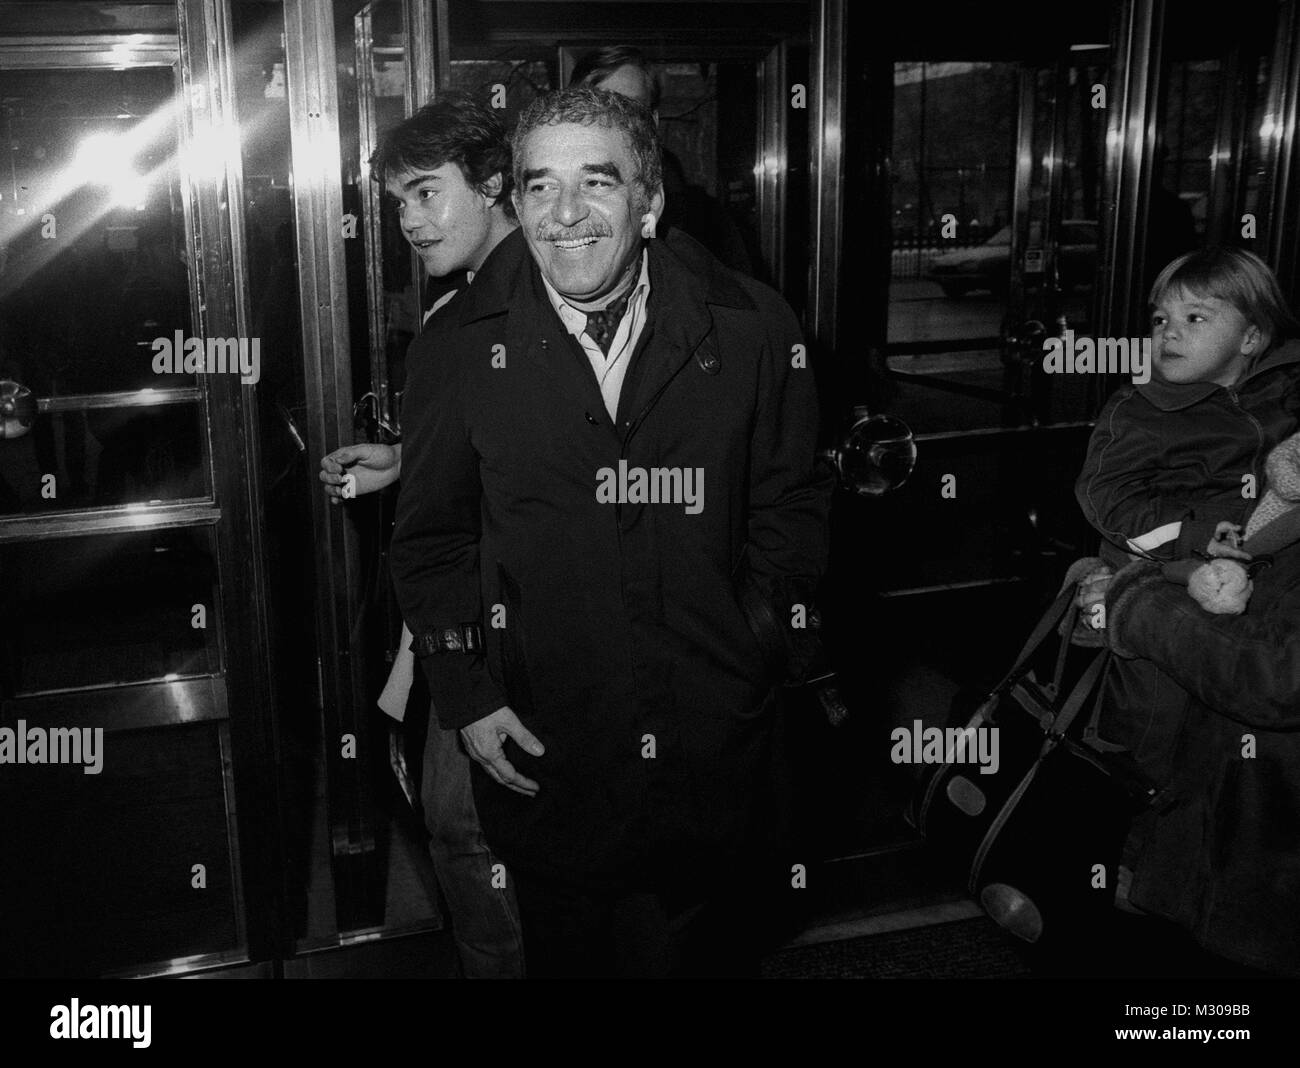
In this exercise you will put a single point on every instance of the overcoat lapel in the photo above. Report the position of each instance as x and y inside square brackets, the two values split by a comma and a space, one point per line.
[510, 288]
[678, 324]
[536, 330]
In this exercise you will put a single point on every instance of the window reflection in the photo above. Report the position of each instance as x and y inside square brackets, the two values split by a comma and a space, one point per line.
[92, 252]
[102, 457]
[108, 608]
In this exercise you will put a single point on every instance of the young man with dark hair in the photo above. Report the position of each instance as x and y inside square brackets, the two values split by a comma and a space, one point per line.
[447, 170]
[448, 167]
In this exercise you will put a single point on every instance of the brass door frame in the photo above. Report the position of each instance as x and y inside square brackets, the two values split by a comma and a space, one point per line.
[827, 93]
[327, 363]
[1130, 161]
[420, 44]
[1281, 154]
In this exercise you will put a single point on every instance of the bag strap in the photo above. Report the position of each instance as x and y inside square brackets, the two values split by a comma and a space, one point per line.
[1039, 634]
[1091, 736]
[995, 827]
[1080, 694]
[1071, 616]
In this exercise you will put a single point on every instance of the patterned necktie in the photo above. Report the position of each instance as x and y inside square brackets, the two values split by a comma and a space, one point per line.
[603, 325]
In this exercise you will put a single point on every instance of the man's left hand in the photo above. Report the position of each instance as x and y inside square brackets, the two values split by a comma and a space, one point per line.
[484, 740]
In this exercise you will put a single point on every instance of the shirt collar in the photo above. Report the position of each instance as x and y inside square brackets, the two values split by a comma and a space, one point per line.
[574, 319]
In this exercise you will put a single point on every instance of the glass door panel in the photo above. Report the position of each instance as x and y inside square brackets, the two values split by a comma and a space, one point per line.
[128, 561]
[108, 609]
[996, 176]
[94, 292]
[951, 211]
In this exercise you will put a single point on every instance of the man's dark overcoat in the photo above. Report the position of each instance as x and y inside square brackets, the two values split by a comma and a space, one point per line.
[613, 630]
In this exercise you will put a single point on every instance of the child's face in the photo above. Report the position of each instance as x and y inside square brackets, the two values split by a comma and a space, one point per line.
[1200, 339]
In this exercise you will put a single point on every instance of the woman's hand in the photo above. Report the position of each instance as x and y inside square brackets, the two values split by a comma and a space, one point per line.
[1226, 543]
[1091, 598]
[370, 467]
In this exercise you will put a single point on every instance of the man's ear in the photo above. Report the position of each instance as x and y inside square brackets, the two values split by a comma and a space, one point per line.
[491, 189]
[656, 204]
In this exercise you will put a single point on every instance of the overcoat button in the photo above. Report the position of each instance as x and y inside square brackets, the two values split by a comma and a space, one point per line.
[709, 363]
[591, 419]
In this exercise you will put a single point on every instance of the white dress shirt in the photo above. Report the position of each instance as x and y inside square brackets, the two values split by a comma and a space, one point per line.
[612, 369]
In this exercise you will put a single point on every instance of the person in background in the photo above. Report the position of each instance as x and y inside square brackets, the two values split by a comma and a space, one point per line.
[688, 209]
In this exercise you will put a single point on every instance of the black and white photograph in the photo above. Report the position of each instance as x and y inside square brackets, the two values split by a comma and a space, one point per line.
[588, 491]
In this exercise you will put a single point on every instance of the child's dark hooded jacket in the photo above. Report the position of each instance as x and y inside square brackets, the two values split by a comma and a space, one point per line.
[1176, 453]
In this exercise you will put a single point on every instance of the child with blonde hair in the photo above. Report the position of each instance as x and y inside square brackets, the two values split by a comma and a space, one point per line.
[1175, 464]
[1174, 457]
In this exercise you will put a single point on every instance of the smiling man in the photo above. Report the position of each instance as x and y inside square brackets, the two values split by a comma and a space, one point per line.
[592, 647]
[586, 214]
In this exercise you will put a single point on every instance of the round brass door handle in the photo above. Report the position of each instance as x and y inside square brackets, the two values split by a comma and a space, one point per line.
[17, 409]
[875, 457]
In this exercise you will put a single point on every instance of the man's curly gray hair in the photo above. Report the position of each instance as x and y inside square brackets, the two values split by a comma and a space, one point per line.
[585, 106]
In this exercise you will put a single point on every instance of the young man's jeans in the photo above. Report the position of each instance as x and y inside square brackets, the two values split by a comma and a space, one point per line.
[484, 917]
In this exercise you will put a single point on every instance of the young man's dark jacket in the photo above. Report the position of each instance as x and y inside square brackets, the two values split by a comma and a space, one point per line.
[1221, 852]
[624, 647]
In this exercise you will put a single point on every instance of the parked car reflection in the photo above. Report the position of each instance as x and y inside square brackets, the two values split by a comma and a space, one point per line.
[988, 266]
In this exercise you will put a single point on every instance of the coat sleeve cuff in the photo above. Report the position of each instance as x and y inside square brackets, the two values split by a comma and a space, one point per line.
[461, 689]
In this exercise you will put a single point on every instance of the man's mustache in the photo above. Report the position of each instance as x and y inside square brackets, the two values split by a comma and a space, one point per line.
[579, 234]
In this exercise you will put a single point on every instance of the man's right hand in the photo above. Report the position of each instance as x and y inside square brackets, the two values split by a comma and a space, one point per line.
[483, 741]
[372, 466]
